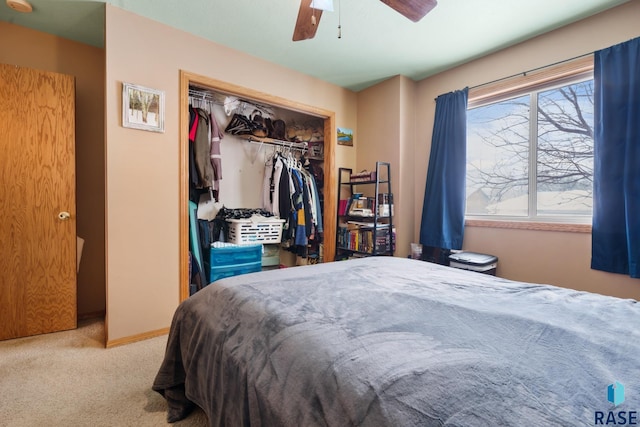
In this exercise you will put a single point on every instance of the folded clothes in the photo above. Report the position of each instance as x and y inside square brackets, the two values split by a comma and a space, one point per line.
[241, 213]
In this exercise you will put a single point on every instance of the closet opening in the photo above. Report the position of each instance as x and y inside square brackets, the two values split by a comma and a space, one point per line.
[245, 155]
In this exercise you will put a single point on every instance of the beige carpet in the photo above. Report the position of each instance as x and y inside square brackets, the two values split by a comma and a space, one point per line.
[70, 379]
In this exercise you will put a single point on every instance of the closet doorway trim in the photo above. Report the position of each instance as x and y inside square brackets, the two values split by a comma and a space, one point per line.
[330, 196]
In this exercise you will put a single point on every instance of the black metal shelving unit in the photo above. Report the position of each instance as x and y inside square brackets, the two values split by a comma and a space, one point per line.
[365, 234]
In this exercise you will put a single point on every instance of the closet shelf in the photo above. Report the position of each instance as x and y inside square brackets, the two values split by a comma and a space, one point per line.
[303, 145]
[205, 96]
[228, 101]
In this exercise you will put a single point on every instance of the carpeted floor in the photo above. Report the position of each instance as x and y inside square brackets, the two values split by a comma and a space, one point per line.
[70, 379]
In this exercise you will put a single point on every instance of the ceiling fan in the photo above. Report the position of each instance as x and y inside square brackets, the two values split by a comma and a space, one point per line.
[310, 13]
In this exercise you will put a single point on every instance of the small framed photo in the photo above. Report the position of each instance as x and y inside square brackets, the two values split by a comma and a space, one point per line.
[142, 108]
[345, 136]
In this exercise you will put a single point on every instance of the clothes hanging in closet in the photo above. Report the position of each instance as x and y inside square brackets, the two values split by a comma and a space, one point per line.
[205, 159]
[205, 173]
[214, 153]
[202, 147]
[291, 193]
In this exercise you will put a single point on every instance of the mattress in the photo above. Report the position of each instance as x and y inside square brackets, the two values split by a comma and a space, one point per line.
[398, 342]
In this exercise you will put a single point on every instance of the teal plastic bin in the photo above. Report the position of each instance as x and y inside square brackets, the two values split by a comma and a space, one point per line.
[221, 272]
[229, 255]
[228, 261]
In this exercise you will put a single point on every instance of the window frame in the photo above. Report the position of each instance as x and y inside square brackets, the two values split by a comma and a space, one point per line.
[554, 76]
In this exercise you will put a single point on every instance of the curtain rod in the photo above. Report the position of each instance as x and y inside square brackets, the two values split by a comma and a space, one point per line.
[524, 73]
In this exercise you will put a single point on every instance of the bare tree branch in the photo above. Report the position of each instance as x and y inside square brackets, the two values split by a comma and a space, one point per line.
[564, 145]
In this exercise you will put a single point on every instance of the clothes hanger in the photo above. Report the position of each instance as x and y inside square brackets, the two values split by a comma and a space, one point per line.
[269, 158]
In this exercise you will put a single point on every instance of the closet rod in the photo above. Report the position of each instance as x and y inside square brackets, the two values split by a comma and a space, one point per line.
[302, 146]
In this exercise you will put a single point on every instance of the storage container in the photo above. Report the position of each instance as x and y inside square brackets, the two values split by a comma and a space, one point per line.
[230, 255]
[473, 261]
[271, 255]
[221, 272]
[232, 260]
[248, 231]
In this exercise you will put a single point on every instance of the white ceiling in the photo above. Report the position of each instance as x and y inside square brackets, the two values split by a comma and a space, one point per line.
[376, 42]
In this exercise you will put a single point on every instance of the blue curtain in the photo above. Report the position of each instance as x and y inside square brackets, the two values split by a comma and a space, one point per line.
[442, 223]
[616, 175]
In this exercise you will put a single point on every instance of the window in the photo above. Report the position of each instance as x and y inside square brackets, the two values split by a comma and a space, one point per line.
[530, 153]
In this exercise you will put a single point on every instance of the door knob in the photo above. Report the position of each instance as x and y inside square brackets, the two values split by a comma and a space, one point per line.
[63, 216]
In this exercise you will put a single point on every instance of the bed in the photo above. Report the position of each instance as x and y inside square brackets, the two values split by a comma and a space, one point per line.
[398, 342]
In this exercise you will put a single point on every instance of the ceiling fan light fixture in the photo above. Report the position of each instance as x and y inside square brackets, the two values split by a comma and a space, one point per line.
[326, 5]
[20, 6]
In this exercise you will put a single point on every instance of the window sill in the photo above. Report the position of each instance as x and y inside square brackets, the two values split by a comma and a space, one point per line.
[523, 225]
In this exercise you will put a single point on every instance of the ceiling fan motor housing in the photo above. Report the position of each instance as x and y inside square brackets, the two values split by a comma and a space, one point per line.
[20, 5]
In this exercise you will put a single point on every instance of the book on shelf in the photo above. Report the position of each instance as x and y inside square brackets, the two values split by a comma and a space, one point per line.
[361, 206]
[342, 206]
[350, 202]
[367, 224]
[363, 212]
[385, 204]
[365, 240]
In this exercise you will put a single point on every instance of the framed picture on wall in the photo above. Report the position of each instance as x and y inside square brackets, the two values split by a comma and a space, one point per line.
[345, 136]
[142, 108]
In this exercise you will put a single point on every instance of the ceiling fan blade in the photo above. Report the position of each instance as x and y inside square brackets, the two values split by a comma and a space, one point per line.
[305, 29]
[412, 9]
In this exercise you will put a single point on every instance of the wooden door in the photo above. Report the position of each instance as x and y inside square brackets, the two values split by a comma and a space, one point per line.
[37, 202]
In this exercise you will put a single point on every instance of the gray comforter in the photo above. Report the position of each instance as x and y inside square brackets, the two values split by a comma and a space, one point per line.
[397, 342]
